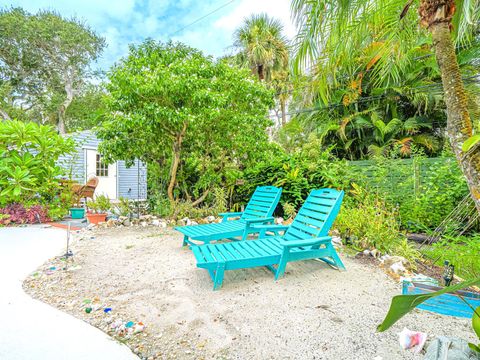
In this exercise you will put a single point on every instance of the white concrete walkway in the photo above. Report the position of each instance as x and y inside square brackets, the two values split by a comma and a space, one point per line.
[30, 329]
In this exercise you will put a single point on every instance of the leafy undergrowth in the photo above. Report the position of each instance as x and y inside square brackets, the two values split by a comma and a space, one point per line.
[367, 222]
[463, 252]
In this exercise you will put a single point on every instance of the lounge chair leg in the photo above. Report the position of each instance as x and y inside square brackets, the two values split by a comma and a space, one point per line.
[282, 264]
[245, 234]
[217, 282]
[336, 261]
[185, 240]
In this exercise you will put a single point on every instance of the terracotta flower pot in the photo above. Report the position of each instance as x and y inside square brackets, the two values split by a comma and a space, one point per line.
[96, 218]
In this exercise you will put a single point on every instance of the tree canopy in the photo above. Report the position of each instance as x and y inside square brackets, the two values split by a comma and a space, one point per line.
[44, 60]
[172, 106]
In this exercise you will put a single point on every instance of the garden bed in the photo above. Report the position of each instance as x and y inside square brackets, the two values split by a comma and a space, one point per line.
[144, 275]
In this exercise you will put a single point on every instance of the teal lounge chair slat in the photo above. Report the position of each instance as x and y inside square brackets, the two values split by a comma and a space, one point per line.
[306, 238]
[259, 210]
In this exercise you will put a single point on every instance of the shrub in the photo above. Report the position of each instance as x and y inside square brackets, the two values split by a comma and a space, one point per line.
[18, 214]
[28, 155]
[297, 174]
[367, 222]
[124, 207]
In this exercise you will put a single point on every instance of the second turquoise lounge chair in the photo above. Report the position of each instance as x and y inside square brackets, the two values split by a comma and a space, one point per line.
[306, 238]
[259, 210]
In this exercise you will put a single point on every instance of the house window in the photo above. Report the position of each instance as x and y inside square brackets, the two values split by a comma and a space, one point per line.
[102, 167]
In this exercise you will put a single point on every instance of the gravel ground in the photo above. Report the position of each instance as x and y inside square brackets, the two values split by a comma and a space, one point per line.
[314, 312]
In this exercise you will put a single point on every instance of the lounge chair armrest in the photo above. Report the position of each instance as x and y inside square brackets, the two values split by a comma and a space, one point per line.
[225, 216]
[259, 220]
[231, 214]
[271, 227]
[306, 242]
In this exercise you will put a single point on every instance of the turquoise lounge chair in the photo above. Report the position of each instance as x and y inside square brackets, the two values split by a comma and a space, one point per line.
[259, 210]
[306, 238]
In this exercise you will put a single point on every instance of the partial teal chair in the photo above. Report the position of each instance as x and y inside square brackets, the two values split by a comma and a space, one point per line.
[259, 210]
[306, 238]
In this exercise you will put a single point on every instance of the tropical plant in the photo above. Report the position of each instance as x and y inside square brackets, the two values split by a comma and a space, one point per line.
[198, 121]
[382, 32]
[263, 48]
[28, 162]
[403, 304]
[18, 214]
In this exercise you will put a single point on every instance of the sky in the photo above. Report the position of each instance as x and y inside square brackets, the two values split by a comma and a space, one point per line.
[122, 22]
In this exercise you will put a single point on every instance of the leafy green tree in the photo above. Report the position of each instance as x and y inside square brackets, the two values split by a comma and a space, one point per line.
[44, 60]
[333, 30]
[87, 109]
[172, 107]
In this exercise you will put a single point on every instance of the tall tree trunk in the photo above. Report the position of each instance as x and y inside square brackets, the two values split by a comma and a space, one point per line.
[437, 15]
[260, 72]
[64, 106]
[283, 110]
[176, 151]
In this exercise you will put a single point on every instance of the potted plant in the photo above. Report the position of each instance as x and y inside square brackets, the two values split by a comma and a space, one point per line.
[97, 209]
[76, 210]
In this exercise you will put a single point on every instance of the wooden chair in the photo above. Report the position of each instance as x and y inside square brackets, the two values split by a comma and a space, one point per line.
[87, 190]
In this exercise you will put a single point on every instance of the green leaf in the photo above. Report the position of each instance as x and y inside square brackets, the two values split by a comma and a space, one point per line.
[476, 321]
[403, 304]
[470, 142]
[474, 347]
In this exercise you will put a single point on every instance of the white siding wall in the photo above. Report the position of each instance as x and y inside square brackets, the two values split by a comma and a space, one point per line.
[131, 182]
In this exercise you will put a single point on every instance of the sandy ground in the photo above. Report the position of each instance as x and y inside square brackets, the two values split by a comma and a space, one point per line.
[314, 312]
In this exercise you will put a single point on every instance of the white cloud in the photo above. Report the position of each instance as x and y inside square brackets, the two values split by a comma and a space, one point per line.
[131, 21]
[279, 9]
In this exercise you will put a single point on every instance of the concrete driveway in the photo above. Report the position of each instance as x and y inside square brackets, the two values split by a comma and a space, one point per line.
[30, 329]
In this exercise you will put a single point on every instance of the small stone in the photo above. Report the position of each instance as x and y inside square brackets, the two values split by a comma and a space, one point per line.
[398, 268]
[111, 223]
[375, 253]
[210, 218]
[336, 240]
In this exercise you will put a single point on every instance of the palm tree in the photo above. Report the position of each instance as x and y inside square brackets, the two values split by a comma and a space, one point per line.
[263, 48]
[332, 29]
[262, 45]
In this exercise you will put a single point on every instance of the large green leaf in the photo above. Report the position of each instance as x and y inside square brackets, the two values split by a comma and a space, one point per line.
[403, 304]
